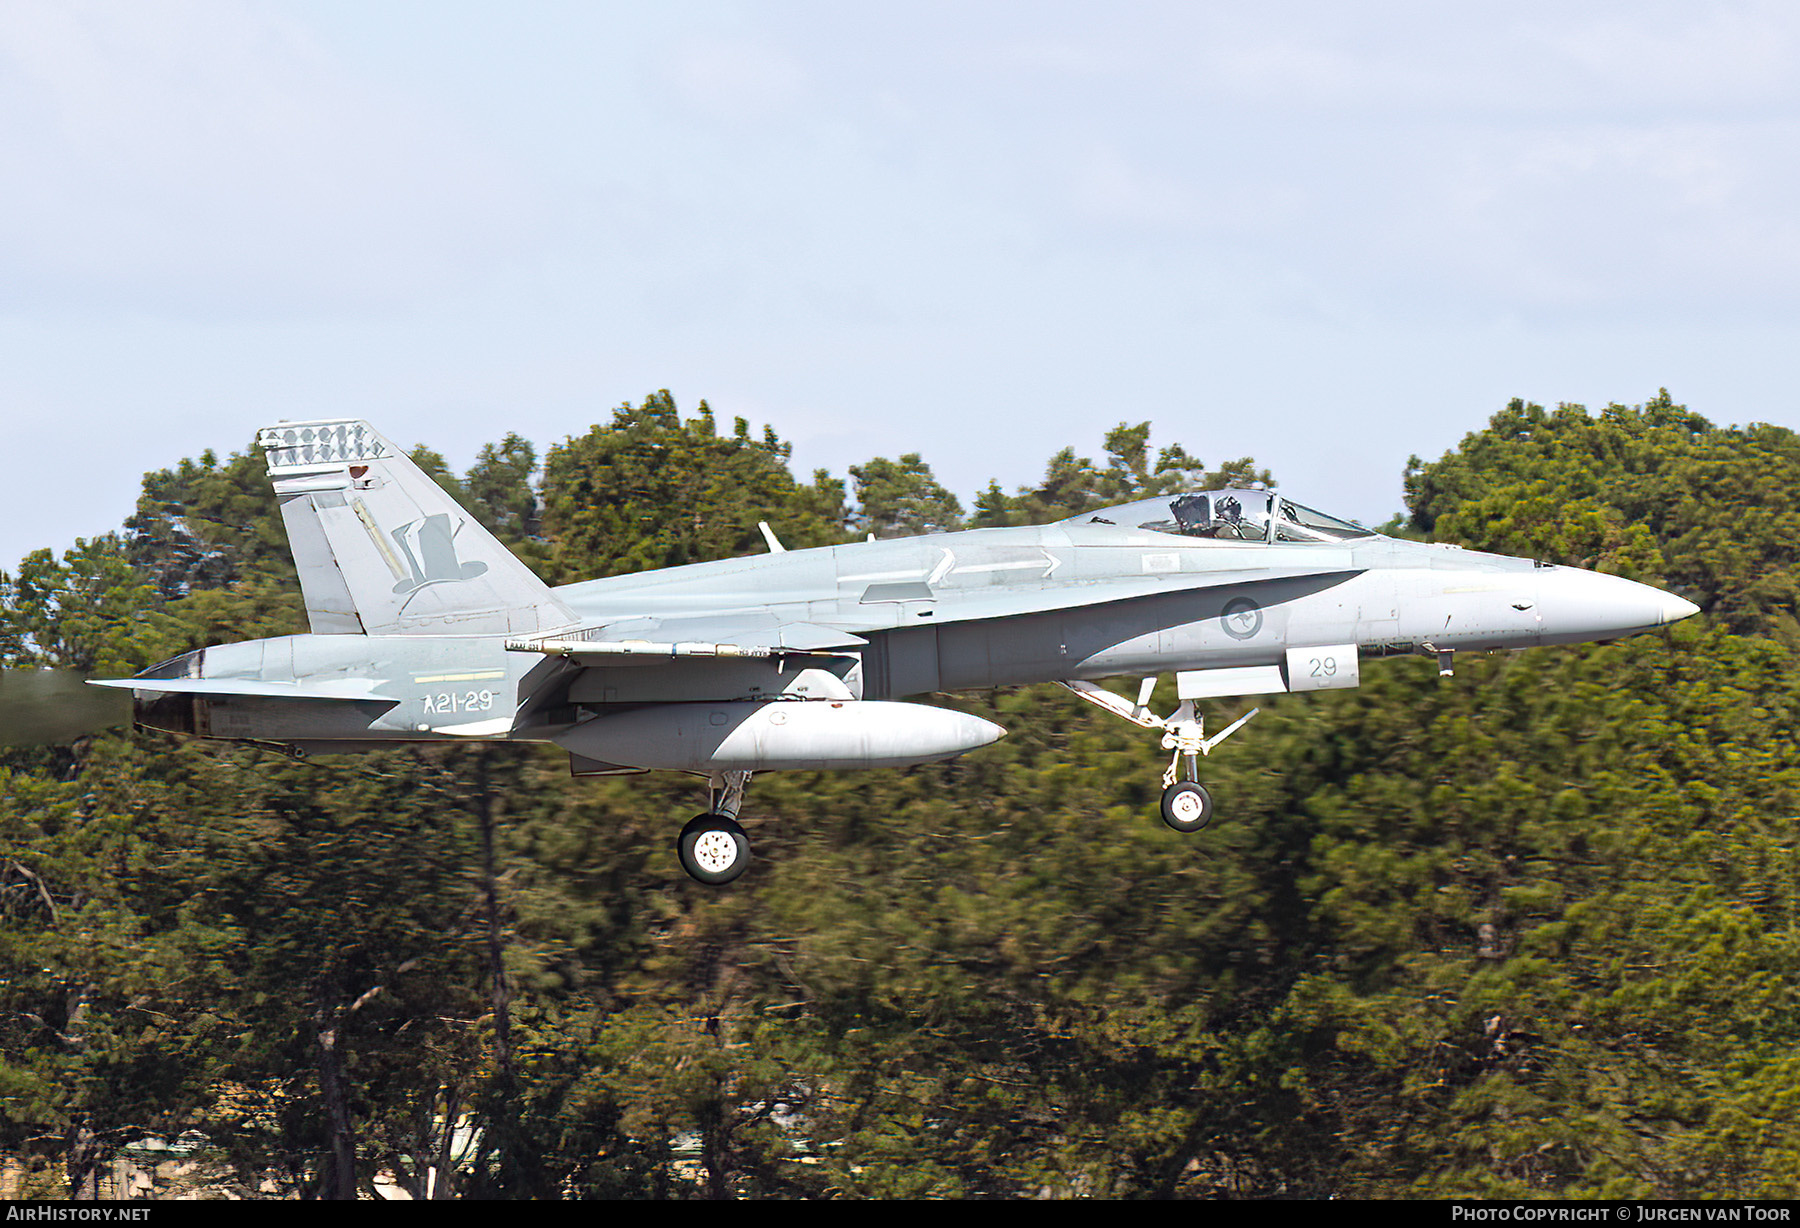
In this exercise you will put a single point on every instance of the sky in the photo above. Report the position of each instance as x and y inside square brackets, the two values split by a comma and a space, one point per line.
[1326, 236]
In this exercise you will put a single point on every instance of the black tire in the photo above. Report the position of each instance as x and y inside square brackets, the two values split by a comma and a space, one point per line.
[1187, 806]
[713, 849]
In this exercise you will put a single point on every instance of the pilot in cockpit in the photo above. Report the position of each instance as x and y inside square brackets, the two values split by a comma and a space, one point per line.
[1203, 516]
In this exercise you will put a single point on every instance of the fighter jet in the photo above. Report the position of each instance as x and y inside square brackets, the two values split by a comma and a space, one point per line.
[425, 628]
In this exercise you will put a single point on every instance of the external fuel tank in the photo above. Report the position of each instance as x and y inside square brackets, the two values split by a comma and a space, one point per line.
[823, 734]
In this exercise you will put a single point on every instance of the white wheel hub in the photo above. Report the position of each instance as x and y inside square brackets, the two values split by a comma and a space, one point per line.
[1187, 806]
[715, 851]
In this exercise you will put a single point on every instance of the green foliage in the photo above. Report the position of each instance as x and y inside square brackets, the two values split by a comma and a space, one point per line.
[653, 490]
[92, 610]
[434, 466]
[901, 499]
[1523, 899]
[1653, 491]
[1073, 484]
[499, 490]
[1527, 932]
[205, 524]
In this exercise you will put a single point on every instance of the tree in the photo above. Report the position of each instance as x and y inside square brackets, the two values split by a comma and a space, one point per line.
[500, 492]
[92, 610]
[206, 524]
[1653, 491]
[902, 498]
[1527, 932]
[652, 490]
[1073, 484]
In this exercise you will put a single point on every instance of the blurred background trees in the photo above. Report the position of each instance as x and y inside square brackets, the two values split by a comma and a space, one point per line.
[1531, 931]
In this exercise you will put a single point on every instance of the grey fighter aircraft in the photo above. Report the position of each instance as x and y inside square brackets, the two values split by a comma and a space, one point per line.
[425, 628]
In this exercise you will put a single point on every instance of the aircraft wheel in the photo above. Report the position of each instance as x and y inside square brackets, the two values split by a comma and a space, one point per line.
[713, 849]
[1187, 806]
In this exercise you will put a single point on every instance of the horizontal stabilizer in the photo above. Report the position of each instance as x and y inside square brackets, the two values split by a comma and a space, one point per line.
[352, 689]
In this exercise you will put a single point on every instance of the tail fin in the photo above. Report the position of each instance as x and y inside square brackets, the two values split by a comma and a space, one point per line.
[382, 550]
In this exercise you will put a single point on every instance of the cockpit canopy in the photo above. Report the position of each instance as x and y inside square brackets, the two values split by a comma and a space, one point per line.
[1227, 515]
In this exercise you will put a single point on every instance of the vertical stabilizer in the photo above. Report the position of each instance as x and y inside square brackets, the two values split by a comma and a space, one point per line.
[382, 550]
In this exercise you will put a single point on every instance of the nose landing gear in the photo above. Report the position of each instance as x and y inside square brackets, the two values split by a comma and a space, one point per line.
[1186, 805]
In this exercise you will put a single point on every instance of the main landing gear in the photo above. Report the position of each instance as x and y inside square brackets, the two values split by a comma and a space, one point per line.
[1186, 805]
[713, 847]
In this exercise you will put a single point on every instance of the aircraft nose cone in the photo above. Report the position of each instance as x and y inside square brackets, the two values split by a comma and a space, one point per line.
[1584, 605]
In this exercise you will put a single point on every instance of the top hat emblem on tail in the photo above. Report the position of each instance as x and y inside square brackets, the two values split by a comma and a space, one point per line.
[381, 548]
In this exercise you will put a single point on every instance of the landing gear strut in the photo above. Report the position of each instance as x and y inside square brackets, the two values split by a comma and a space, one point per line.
[1186, 805]
[713, 847]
